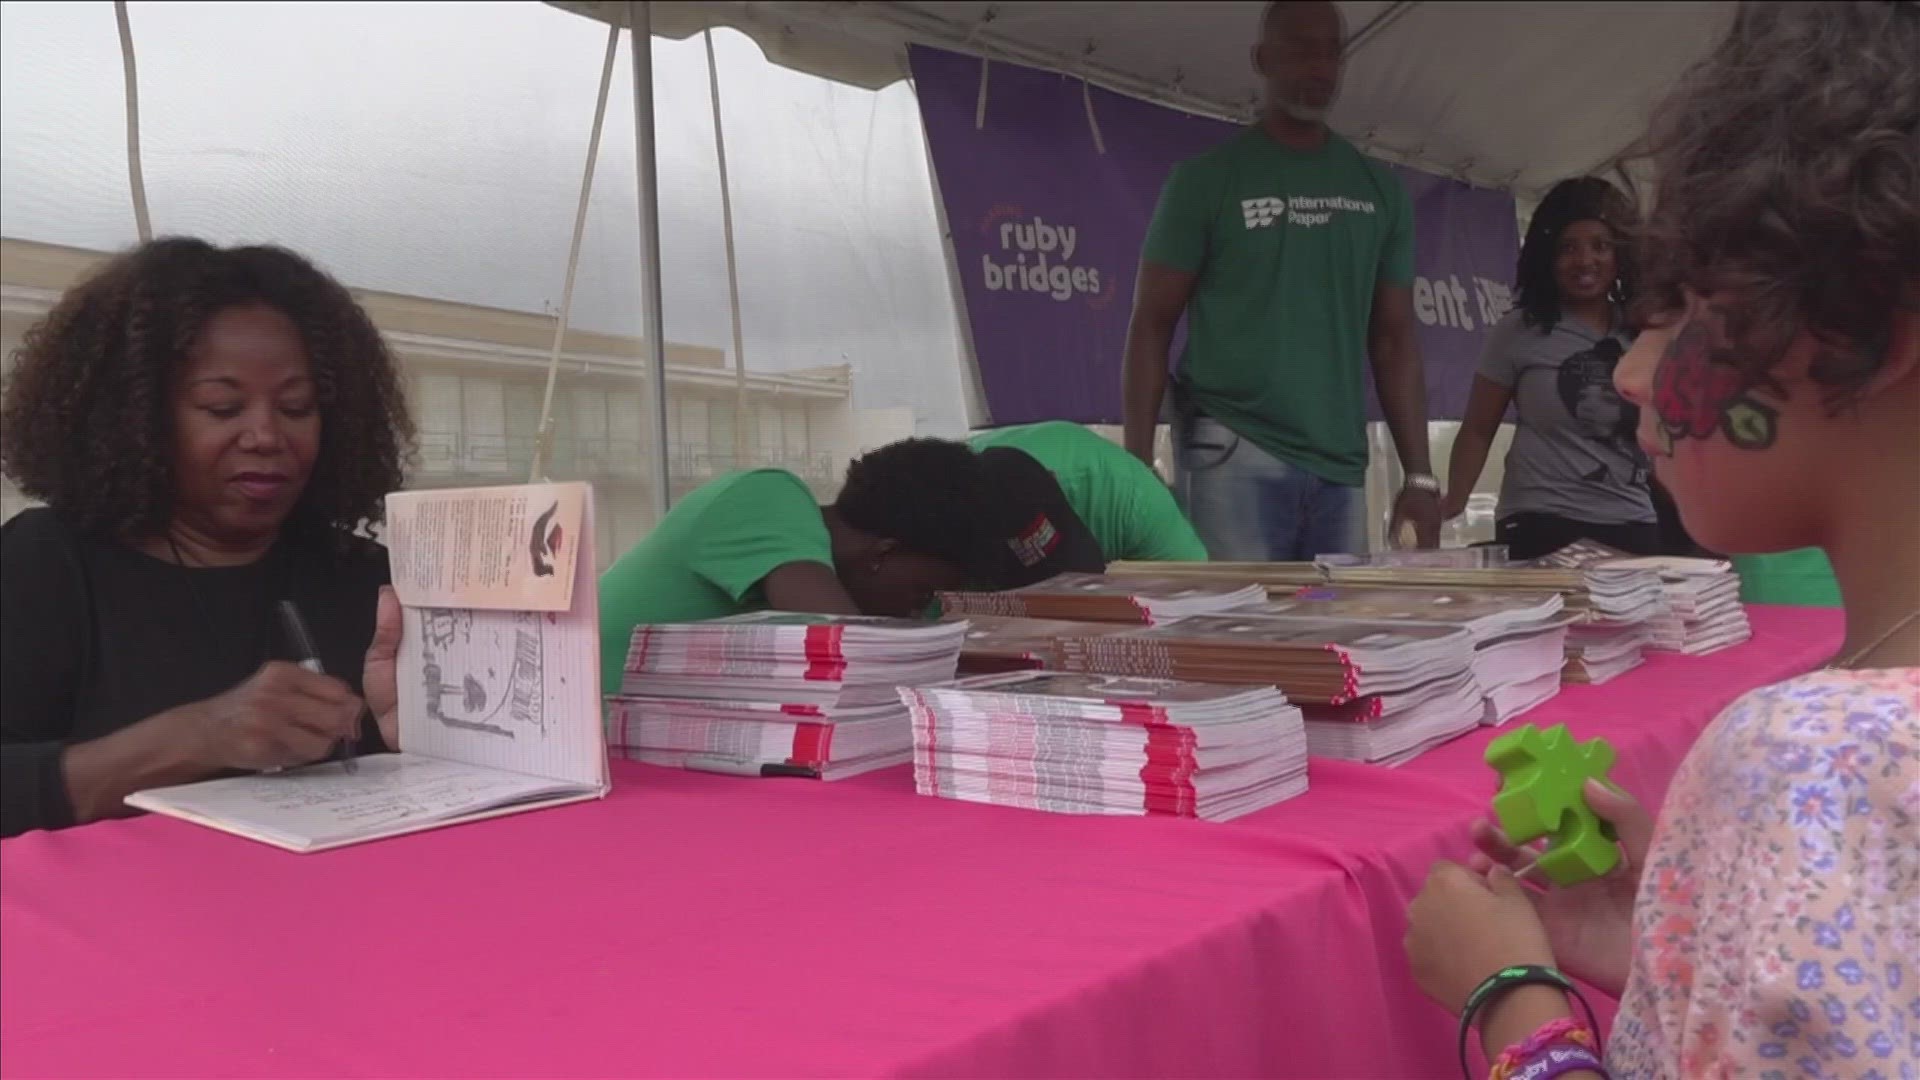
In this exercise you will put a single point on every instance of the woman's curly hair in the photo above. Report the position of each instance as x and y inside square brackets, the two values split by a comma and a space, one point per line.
[1787, 173]
[1582, 198]
[86, 424]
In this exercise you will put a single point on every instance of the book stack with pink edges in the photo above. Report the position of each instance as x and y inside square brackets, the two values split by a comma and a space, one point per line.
[1370, 691]
[1095, 744]
[777, 693]
[1519, 638]
[1100, 598]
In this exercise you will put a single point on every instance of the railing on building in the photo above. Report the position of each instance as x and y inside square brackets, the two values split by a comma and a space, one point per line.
[449, 455]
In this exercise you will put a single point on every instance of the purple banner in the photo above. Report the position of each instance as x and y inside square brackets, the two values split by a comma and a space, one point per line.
[1047, 232]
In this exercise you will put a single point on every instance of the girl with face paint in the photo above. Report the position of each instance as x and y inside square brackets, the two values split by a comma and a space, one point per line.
[1766, 925]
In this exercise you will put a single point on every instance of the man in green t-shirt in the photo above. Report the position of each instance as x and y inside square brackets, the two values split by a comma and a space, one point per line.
[912, 519]
[1291, 256]
[1129, 509]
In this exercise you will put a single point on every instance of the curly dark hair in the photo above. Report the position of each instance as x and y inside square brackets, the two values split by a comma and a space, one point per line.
[1787, 176]
[1583, 198]
[86, 425]
[925, 494]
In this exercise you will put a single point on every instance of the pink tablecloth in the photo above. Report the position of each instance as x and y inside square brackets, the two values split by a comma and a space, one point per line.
[694, 925]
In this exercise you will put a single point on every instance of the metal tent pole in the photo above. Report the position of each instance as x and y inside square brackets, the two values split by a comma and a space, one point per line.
[543, 439]
[136, 175]
[640, 31]
[733, 267]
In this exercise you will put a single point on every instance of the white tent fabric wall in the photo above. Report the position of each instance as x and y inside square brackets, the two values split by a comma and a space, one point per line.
[1510, 95]
[438, 160]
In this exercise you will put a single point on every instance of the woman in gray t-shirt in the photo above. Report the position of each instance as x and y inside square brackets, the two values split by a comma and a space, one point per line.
[1575, 470]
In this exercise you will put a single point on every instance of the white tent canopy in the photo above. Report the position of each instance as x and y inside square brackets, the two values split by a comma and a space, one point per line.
[1508, 95]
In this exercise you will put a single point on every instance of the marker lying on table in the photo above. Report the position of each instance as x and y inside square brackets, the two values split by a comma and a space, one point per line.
[302, 643]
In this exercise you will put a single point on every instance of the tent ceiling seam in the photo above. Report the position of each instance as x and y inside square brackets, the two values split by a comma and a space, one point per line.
[1378, 25]
[945, 33]
[1615, 160]
[892, 24]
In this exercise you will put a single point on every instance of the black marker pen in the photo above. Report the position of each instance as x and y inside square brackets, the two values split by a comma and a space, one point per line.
[310, 659]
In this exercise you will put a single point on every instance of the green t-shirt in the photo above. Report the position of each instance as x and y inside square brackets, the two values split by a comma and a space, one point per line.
[1802, 578]
[707, 558]
[1131, 513]
[1288, 246]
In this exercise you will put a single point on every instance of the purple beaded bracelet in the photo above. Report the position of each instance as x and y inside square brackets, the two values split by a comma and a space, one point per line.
[1558, 1059]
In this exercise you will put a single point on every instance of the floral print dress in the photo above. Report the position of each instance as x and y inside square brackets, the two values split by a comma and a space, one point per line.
[1777, 929]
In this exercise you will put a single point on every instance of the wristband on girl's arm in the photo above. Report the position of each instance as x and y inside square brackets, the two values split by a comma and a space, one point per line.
[1507, 979]
[1559, 1046]
[1556, 1061]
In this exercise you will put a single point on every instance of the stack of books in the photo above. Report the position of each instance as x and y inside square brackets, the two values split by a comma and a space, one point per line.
[1616, 589]
[1598, 593]
[1470, 558]
[1100, 598]
[1484, 615]
[1519, 638]
[996, 643]
[1704, 613]
[1081, 744]
[777, 693]
[1519, 669]
[1276, 577]
[752, 738]
[1331, 661]
[1392, 729]
[1591, 577]
[1598, 654]
[1404, 686]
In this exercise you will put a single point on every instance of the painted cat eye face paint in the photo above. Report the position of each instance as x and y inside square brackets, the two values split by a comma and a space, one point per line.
[1695, 396]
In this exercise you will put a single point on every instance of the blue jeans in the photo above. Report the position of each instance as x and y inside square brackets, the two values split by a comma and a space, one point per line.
[1250, 506]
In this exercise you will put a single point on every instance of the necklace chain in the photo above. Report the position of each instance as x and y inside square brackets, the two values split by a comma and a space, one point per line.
[1861, 654]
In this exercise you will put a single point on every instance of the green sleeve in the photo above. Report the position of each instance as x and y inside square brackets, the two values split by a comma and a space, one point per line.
[1177, 236]
[1164, 533]
[1157, 530]
[763, 521]
[1396, 255]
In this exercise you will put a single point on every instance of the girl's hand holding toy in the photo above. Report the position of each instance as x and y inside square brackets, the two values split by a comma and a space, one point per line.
[1483, 943]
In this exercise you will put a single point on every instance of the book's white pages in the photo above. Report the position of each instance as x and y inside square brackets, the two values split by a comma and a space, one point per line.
[499, 708]
[323, 806]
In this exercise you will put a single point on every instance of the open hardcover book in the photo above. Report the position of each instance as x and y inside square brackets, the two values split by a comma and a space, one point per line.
[499, 680]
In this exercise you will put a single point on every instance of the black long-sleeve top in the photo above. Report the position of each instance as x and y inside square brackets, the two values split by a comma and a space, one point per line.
[95, 636]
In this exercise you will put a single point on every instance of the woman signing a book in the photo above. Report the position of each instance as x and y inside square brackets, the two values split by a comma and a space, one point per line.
[209, 429]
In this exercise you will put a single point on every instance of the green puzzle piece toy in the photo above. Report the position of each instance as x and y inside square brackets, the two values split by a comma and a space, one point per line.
[1541, 773]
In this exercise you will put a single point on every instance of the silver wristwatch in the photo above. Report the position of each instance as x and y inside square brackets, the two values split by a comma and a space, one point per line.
[1422, 482]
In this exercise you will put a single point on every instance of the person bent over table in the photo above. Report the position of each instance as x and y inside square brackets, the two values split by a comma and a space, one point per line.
[209, 429]
[913, 518]
[1131, 511]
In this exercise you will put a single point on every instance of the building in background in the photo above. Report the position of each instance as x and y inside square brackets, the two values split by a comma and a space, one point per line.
[475, 378]
[411, 153]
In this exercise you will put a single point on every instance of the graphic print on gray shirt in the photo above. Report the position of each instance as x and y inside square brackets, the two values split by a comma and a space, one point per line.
[1574, 453]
